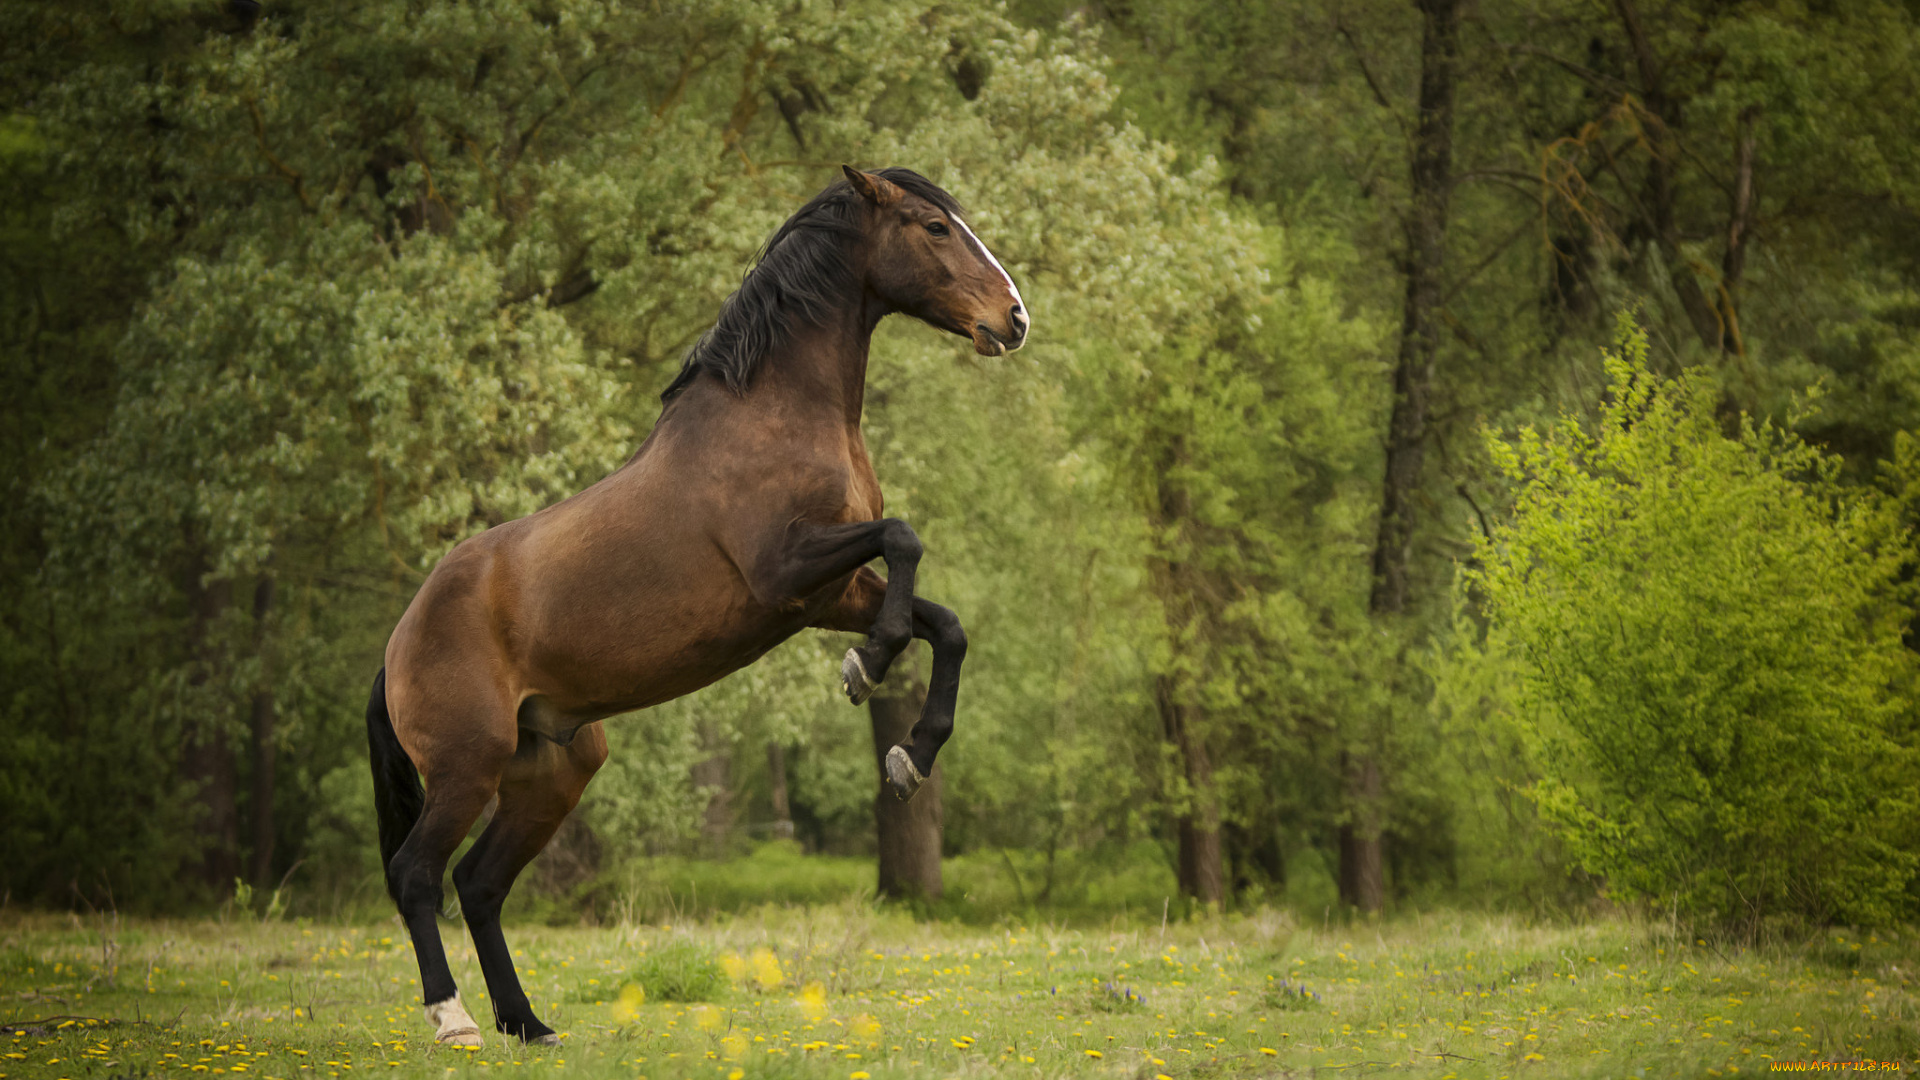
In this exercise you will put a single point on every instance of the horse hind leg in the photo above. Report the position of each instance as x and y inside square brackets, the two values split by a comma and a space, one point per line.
[540, 787]
[453, 803]
[423, 830]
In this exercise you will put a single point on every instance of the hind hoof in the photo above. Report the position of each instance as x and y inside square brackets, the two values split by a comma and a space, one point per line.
[902, 778]
[453, 1027]
[461, 1038]
[853, 678]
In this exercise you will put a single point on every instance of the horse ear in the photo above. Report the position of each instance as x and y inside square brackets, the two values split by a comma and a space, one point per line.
[872, 187]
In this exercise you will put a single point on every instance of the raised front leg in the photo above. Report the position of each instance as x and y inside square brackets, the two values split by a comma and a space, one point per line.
[909, 764]
[817, 555]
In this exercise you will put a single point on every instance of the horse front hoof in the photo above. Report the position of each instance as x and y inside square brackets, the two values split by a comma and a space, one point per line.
[853, 678]
[549, 1039]
[903, 779]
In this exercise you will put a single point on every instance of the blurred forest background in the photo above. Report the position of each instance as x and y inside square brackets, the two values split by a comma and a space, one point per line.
[1464, 456]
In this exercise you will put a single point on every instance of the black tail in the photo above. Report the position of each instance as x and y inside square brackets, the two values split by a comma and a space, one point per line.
[397, 794]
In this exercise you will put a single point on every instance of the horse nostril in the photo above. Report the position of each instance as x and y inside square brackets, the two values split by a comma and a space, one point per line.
[1018, 316]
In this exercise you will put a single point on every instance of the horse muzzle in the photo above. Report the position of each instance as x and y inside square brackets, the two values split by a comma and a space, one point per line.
[990, 342]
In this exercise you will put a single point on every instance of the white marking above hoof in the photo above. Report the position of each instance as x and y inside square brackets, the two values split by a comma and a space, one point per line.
[902, 776]
[453, 1027]
[549, 1039]
[853, 678]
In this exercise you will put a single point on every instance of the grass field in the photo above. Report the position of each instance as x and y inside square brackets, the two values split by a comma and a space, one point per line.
[847, 992]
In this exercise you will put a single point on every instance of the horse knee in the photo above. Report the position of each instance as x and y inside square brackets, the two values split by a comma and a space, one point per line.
[948, 636]
[900, 543]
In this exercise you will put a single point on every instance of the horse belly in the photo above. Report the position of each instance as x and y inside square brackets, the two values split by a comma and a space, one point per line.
[615, 646]
[624, 597]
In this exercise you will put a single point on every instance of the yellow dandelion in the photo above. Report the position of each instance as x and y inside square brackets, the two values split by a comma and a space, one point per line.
[1095, 1054]
[813, 1000]
[766, 969]
[627, 1008]
[736, 1074]
[1269, 1051]
[858, 1076]
[735, 967]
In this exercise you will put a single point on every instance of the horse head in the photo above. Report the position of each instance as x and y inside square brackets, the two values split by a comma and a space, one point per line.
[924, 260]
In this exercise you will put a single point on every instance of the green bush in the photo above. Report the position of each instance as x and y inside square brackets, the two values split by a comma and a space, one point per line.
[679, 971]
[1711, 672]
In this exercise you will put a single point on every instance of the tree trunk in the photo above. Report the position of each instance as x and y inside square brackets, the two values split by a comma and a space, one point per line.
[1426, 227]
[777, 782]
[1431, 175]
[715, 774]
[1197, 829]
[909, 832]
[264, 716]
[1659, 194]
[1362, 881]
[1739, 222]
[207, 754]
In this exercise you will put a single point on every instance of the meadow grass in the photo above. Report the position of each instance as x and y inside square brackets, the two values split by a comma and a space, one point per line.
[848, 991]
[983, 886]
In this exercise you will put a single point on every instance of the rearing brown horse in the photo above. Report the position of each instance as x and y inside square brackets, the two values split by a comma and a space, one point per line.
[749, 513]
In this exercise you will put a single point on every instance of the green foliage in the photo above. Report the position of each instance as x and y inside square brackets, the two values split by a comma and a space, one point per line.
[1482, 767]
[983, 887]
[667, 888]
[1712, 674]
[680, 970]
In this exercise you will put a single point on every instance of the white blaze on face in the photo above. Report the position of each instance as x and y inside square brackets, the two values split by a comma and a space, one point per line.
[1012, 289]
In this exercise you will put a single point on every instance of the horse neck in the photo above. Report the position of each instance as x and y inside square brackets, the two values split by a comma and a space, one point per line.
[824, 368]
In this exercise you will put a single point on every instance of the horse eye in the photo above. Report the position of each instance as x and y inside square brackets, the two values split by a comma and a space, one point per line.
[937, 228]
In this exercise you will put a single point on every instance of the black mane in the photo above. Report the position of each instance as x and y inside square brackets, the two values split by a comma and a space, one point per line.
[801, 275]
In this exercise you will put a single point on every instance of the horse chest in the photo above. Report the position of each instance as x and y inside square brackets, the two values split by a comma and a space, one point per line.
[864, 502]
